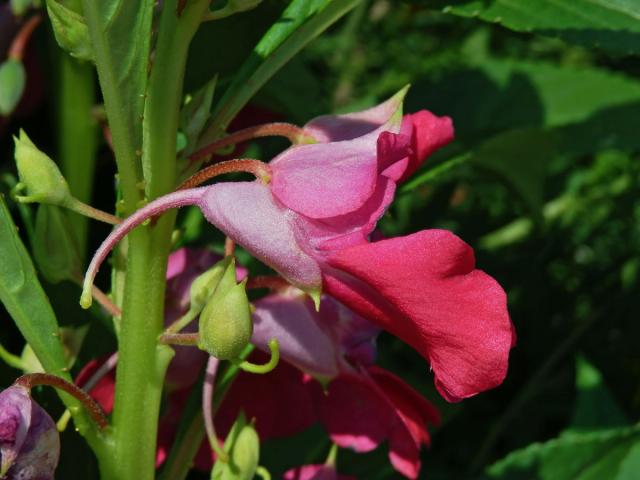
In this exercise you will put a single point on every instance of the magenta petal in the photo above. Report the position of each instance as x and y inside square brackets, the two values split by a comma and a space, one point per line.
[291, 319]
[281, 401]
[424, 289]
[393, 154]
[355, 414]
[428, 133]
[335, 128]
[247, 212]
[415, 414]
[314, 472]
[324, 180]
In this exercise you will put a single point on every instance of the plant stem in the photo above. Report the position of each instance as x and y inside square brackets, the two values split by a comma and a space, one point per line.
[185, 339]
[11, 359]
[91, 212]
[77, 132]
[31, 380]
[19, 44]
[435, 172]
[260, 169]
[187, 445]
[293, 133]
[207, 408]
[142, 362]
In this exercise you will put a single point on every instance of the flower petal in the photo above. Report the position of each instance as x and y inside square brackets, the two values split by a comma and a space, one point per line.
[355, 414]
[428, 133]
[335, 128]
[247, 212]
[424, 289]
[351, 229]
[281, 401]
[326, 179]
[314, 472]
[291, 319]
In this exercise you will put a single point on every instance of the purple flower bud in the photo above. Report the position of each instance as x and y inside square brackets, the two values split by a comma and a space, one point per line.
[29, 441]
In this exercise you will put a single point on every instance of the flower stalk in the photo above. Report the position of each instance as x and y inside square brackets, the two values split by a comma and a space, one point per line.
[95, 412]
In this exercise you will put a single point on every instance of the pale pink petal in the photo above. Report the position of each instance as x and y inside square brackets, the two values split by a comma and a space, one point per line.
[247, 212]
[335, 128]
[351, 229]
[326, 179]
[291, 319]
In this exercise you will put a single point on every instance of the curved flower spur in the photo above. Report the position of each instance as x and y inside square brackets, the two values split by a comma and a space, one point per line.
[309, 214]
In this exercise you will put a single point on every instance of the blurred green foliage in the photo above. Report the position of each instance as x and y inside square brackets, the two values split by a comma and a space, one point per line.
[543, 181]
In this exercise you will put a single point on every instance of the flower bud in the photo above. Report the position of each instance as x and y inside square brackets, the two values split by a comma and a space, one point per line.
[243, 445]
[29, 441]
[205, 284]
[225, 322]
[55, 248]
[39, 174]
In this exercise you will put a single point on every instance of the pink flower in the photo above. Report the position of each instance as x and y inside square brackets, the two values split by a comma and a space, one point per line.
[29, 440]
[312, 221]
[363, 405]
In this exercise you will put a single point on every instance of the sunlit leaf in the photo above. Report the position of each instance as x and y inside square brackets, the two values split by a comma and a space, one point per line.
[573, 456]
[613, 25]
[24, 299]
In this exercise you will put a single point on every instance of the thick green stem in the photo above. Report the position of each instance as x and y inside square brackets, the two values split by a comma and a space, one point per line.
[142, 362]
[77, 134]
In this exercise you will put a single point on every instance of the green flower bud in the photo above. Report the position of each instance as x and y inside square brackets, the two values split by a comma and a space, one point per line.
[205, 284]
[55, 247]
[243, 445]
[39, 174]
[225, 322]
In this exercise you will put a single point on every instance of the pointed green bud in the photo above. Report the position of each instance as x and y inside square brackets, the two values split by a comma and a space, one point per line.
[39, 174]
[225, 322]
[70, 28]
[55, 248]
[243, 445]
[205, 284]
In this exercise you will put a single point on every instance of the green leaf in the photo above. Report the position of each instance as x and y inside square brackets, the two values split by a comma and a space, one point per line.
[301, 22]
[120, 32]
[521, 157]
[613, 25]
[70, 30]
[573, 456]
[194, 116]
[55, 248]
[596, 407]
[630, 466]
[496, 94]
[24, 299]
[12, 81]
